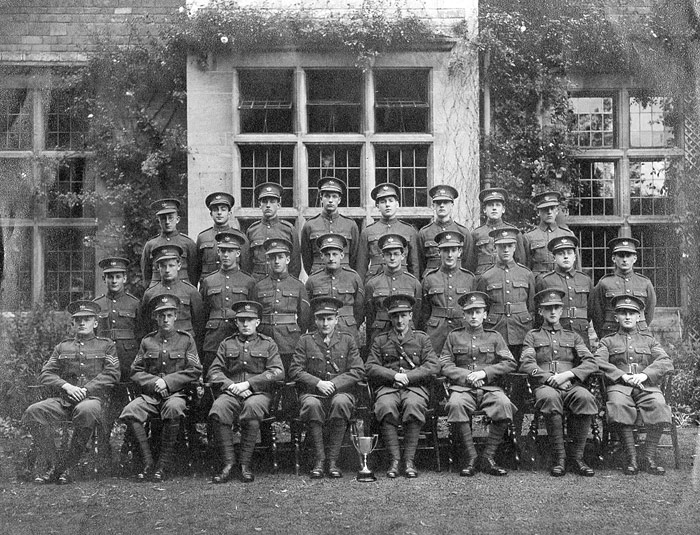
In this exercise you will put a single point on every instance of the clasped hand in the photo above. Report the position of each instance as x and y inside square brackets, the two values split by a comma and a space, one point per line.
[635, 379]
[325, 387]
[161, 387]
[237, 389]
[400, 380]
[75, 393]
[476, 378]
[559, 380]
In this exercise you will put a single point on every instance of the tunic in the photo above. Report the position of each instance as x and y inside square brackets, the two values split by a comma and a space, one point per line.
[119, 320]
[189, 270]
[324, 224]
[255, 263]
[577, 288]
[369, 256]
[539, 258]
[190, 317]
[381, 286]
[207, 256]
[483, 254]
[612, 285]
[428, 252]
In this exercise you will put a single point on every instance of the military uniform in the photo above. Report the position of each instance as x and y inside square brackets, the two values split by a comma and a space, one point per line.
[539, 258]
[263, 230]
[381, 286]
[119, 320]
[346, 285]
[206, 250]
[219, 292]
[577, 288]
[88, 362]
[191, 316]
[323, 224]
[483, 253]
[428, 254]
[441, 289]
[395, 404]
[369, 255]
[511, 289]
[616, 284]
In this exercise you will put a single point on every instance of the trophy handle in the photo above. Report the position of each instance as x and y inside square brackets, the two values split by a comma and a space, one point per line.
[375, 440]
[355, 441]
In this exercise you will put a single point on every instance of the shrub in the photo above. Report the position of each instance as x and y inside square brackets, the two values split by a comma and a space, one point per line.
[27, 340]
[685, 394]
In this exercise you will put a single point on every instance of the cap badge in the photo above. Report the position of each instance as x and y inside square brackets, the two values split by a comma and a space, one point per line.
[218, 197]
[247, 307]
[504, 233]
[227, 238]
[385, 188]
[165, 205]
[113, 263]
[448, 236]
[329, 240]
[268, 188]
[625, 243]
[164, 300]
[442, 191]
[628, 301]
[83, 307]
[472, 298]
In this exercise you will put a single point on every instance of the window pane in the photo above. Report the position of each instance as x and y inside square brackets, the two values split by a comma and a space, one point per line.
[401, 100]
[266, 163]
[596, 188]
[652, 122]
[659, 259]
[334, 101]
[266, 100]
[16, 251]
[652, 187]
[70, 265]
[16, 126]
[592, 121]
[340, 161]
[66, 122]
[16, 189]
[69, 183]
[405, 166]
[593, 245]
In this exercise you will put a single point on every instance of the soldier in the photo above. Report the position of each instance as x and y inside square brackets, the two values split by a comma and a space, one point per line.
[220, 290]
[557, 363]
[442, 288]
[622, 281]
[539, 259]
[369, 254]
[245, 372]
[511, 289]
[576, 285]
[483, 255]
[634, 363]
[339, 281]
[190, 316]
[443, 203]
[168, 218]
[329, 221]
[400, 366]
[220, 205]
[269, 196]
[391, 280]
[82, 371]
[286, 312]
[327, 368]
[474, 360]
[166, 364]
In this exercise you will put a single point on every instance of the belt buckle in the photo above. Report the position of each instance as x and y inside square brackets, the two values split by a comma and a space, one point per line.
[553, 366]
[506, 309]
[572, 312]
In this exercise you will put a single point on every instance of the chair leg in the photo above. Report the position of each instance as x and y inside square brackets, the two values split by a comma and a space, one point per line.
[676, 448]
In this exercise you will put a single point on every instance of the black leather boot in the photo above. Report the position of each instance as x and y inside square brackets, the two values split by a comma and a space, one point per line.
[627, 437]
[464, 430]
[579, 426]
[488, 464]
[651, 445]
[316, 433]
[555, 432]
[141, 438]
[411, 434]
[336, 433]
[223, 435]
[168, 441]
[390, 436]
[249, 435]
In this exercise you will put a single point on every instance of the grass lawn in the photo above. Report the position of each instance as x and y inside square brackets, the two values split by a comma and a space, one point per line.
[524, 502]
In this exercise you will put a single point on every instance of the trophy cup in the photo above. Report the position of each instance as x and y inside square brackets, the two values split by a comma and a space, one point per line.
[365, 446]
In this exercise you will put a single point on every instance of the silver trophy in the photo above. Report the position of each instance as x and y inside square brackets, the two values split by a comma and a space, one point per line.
[365, 446]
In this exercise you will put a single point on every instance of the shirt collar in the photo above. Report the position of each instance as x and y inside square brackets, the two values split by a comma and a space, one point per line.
[280, 277]
[547, 326]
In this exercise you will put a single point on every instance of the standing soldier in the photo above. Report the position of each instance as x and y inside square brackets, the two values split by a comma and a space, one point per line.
[220, 205]
[329, 221]
[539, 259]
[285, 304]
[190, 317]
[168, 218]
[391, 280]
[245, 371]
[634, 364]
[483, 256]
[339, 281]
[167, 362]
[269, 196]
[557, 362]
[443, 203]
[511, 289]
[622, 281]
[327, 368]
[119, 320]
[369, 254]
[220, 291]
[576, 285]
[473, 360]
[443, 287]
[400, 366]
[82, 371]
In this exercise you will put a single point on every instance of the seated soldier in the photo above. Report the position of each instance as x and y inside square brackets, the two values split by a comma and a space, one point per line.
[327, 367]
[83, 369]
[400, 365]
[246, 368]
[167, 362]
[557, 361]
[473, 359]
[634, 363]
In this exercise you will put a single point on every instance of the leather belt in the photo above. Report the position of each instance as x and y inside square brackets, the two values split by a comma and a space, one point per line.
[508, 308]
[576, 313]
[118, 334]
[443, 312]
[278, 319]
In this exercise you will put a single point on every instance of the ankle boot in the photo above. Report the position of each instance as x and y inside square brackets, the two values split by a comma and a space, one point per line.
[336, 433]
[390, 436]
[141, 437]
[627, 437]
[651, 445]
[464, 430]
[555, 431]
[249, 436]
[411, 435]
[316, 433]
[168, 441]
[496, 431]
[579, 426]
[223, 436]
